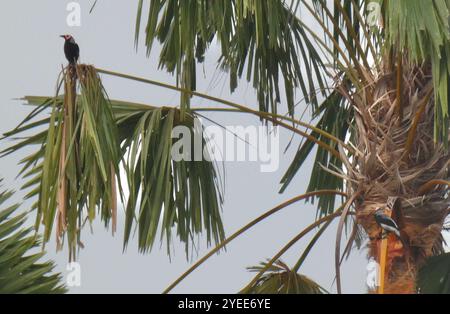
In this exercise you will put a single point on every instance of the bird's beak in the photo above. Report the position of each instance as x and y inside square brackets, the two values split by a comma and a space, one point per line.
[62, 36]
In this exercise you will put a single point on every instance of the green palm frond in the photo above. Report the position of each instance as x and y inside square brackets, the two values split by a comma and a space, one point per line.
[74, 171]
[98, 135]
[259, 40]
[182, 193]
[280, 279]
[336, 118]
[267, 39]
[352, 42]
[20, 270]
[424, 40]
[434, 276]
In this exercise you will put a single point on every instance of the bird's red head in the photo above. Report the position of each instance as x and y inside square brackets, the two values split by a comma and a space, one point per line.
[66, 37]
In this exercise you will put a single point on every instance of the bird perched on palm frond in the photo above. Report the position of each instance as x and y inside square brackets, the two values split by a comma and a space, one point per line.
[71, 49]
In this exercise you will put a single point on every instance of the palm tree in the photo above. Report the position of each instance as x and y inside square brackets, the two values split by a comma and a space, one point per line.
[21, 270]
[375, 77]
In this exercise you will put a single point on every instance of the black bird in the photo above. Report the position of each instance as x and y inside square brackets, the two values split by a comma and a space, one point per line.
[386, 223]
[71, 49]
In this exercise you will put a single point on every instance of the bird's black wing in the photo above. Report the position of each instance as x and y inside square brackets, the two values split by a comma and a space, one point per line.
[77, 52]
[72, 52]
[385, 220]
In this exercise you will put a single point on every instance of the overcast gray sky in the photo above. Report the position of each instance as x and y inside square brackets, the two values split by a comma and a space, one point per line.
[31, 58]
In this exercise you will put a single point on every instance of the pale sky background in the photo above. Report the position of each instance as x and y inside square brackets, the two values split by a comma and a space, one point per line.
[30, 60]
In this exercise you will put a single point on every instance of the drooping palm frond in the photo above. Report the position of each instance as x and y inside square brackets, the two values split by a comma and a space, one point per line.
[349, 44]
[268, 38]
[336, 118]
[183, 193]
[74, 170]
[258, 39]
[280, 279]
[22, 271]
[87, 138]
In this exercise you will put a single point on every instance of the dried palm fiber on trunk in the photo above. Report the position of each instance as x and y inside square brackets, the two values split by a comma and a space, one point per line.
[395, 132]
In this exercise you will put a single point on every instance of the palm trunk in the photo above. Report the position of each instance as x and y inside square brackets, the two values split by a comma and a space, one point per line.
[398, 160]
